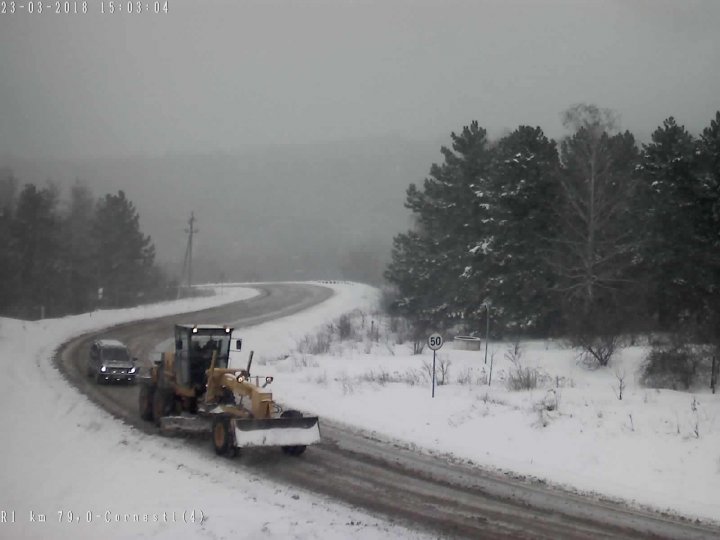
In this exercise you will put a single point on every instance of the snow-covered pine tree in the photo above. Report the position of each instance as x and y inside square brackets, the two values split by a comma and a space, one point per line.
[449, 213]
[523, 197]
[671, 252]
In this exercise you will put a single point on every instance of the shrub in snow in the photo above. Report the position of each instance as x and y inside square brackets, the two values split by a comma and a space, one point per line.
[551, 400]
[547, 409]
[620, 388]
[521, 378]
[596, 351]
[348, 387]
[410, 377]
[317, 344]
[673, 367]
[442, 370]
[514, 352]
[345, 328]
[465, 376]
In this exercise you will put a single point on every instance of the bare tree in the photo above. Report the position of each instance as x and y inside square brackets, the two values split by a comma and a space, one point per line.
[595, 245]
[597, 186]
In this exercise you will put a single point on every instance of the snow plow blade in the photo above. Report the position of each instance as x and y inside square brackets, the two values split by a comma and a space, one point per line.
[185, 425]
[290, 431]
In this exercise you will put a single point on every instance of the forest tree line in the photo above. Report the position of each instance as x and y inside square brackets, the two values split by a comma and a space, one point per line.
[72, 256]
[590, 237]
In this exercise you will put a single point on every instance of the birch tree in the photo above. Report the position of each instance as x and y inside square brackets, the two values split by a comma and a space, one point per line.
[596, 239]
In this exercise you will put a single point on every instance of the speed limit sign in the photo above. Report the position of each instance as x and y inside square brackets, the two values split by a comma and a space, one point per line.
[435, 341]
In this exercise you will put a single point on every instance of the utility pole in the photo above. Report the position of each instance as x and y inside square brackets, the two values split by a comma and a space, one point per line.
[187, 263]
[487, 327]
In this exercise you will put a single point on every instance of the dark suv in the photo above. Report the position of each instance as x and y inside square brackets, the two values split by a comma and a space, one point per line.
[110, 360]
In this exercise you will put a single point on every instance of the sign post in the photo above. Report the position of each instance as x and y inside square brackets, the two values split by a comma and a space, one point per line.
[435, 341]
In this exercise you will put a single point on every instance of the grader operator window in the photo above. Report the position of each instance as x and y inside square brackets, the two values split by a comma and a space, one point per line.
[201, 350]
[195, 346]
[203, 346]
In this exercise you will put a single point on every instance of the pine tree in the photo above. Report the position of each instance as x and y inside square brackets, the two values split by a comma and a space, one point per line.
[672, 253]
[431, 266]
[123, 255]
[78, 249]
[416, 277]
[9, 260]
[34, 238]
[708, 227]
[524, 199]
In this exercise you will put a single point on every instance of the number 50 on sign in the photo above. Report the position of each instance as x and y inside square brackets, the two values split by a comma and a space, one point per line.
[435, 341]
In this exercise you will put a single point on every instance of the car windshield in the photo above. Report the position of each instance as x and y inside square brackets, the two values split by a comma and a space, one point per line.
[115, 354]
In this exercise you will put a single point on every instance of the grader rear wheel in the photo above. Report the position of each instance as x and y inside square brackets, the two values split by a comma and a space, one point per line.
[145, 402]
[162, 405]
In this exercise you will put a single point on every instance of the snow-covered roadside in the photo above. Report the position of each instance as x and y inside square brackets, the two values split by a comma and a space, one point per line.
[655, 448]
[71, 470]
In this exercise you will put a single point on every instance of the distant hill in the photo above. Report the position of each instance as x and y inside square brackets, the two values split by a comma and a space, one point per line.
[268, 212]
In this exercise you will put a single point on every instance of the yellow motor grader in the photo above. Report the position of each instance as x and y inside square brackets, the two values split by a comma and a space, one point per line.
[192, 389]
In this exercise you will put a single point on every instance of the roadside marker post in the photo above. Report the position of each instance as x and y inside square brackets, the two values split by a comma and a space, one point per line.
[435, 341]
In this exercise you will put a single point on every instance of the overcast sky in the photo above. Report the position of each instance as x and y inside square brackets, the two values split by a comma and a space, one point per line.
[213, 76]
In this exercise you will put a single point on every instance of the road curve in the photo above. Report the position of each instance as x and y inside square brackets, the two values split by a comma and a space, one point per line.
[431, 493]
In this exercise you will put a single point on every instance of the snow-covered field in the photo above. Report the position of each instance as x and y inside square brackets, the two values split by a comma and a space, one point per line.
[655, 448]
[63, 454]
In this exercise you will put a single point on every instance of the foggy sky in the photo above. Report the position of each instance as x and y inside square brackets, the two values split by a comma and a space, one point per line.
[292, 129]
[214, 76]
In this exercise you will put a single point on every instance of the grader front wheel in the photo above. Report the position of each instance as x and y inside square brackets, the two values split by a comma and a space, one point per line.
[223, 440]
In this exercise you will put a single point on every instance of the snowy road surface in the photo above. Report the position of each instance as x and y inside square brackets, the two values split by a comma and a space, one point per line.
[434, 494]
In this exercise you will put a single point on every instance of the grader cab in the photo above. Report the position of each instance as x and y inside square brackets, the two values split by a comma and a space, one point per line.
[192, 389]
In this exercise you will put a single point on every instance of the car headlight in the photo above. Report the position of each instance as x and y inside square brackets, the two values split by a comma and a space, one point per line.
[103, 369]
[132, 369]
